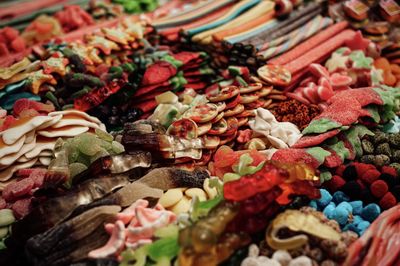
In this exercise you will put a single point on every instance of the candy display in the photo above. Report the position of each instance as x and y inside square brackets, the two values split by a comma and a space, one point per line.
[201, 132]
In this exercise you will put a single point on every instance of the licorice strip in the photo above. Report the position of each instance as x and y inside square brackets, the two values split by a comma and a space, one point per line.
[219, 36]
[296, 24]
[233, 13]
[309, 44]
[294, 16]
[298, 36]
[196, 14]
[319, 51]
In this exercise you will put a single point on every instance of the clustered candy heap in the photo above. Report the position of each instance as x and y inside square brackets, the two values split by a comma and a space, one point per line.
[368, 183]
[350, 215]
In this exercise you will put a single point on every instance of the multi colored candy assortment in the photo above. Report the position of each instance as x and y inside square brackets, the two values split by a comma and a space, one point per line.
[204, 132]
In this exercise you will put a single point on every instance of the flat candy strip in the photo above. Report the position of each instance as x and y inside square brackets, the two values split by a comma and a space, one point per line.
[309, 44]
[319, 52]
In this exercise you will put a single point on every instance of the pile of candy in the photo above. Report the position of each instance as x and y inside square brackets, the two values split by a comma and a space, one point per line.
[204, 132]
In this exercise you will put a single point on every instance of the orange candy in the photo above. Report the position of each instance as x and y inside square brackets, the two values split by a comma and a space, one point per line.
[390, 71]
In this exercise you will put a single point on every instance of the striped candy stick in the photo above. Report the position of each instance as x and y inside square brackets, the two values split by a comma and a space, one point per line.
[298, 36]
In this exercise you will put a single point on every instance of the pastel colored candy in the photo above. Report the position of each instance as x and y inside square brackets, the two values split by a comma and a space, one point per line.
[11, 135]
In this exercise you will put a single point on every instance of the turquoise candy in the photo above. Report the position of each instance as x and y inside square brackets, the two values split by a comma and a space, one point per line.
[329, 211]
[15, 86]
[325, 199]
[357, 207]
[370, 212]
[362, 226]
[10, 88]
[351, 227]
[313, 204]
[339, 196]
[7, 103]
[341, 215]
[346, 205]
[332, 204]
[357, 219]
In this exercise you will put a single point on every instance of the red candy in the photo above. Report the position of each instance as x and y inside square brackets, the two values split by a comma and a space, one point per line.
[379, 188]
[335, 183]
[248, 186]
[370, 176]
[22, 207]
[387, 201]
[18, 189]
[26, 104]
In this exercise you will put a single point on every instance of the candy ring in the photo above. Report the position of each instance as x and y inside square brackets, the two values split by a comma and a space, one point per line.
[183, 128]
[275, 75]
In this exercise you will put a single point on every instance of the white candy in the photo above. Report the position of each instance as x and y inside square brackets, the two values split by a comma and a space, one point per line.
[280, 135]
[171, 197]
[282, 256]
[301, 261]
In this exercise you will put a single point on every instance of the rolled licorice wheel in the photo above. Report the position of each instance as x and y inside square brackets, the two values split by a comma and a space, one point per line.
[283, 8]
[293, 26]
[294, 16]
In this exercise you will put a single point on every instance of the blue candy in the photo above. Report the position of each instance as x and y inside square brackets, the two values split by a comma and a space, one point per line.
[332, 204]
[346, 205]
[351, 227]
[357, 219]
[325, 199]
[329, 211]
[370, 212]
[357, 206]
[362, 226]
[313, 204]
[341, 215]
[339, 196]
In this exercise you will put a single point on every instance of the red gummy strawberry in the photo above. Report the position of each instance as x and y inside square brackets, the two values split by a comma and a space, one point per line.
[335, 183]
[387, 201]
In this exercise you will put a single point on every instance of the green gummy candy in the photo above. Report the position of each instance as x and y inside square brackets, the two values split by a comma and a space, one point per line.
[325, 176]
[104, 135]
[341, 150]
[88, 144]
[318, 153]
[99, 154]
[3, 232]
[321, 125]
[83, 159]
[117, 147]
[6, 217]
[76, 168]
[72, 151]
[164, 248]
